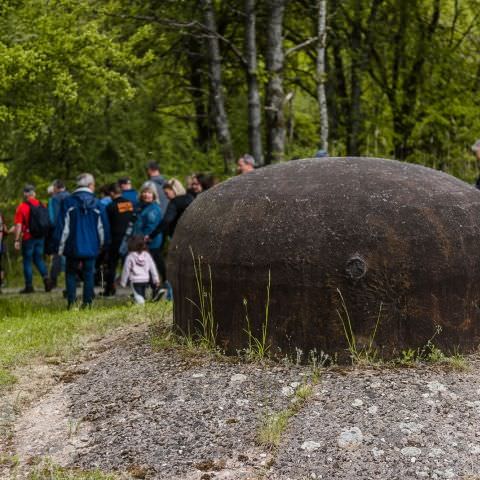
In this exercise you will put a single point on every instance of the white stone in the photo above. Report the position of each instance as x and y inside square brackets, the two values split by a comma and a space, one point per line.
[357, 403]
[435, 452]
[198, 375]
[373, 410]
[474, 449]
[310, 446]
[288, 391]
[436, 387]
[410, 427]
[238, 378]
[295, 385]
[350, 439]
[410, 451]
[449, 473]
[377, 453]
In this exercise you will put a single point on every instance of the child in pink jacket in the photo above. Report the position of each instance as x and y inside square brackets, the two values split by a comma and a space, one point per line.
[139, 269]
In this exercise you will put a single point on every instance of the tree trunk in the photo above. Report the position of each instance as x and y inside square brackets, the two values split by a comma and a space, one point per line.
[254, 112]
[196, 71]
[221, 119]
[355, 122]
[321, 77]
[274, 96]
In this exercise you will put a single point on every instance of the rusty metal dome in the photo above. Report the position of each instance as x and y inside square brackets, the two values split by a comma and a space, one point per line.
[399, 243]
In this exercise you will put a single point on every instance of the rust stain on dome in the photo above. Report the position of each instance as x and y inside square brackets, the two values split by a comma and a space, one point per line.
[379, 231]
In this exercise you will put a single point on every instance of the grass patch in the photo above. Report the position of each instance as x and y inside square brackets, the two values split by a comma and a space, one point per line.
[274, 424]
[39, 327]
[49, 471]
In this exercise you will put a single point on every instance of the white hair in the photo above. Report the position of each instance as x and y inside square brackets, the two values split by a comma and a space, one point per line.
[85, 180]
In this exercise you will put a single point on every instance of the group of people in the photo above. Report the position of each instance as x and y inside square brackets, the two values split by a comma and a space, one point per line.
[89, 237]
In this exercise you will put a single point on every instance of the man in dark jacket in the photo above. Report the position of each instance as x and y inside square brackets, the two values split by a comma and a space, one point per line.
[121, 214]
[81, 231]
[156, 180]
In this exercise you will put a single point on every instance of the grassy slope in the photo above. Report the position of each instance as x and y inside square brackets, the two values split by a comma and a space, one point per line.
[39, 326]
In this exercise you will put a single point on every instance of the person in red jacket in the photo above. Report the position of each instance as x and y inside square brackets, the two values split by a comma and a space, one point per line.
[32, 248]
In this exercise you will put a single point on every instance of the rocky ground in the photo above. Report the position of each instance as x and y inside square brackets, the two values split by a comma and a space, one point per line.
[172, 414]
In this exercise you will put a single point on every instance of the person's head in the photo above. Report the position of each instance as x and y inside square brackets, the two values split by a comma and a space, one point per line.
[173, 188]
[153, 169]
[148, 194]
[476, 149]
[86, 180]
[50, 190]
[125, 183]
[137, 244]
[245, 164]
[58, 186]
[196, 186]
[104, 191]
[114, 190]
[202, 182]
[29, 191]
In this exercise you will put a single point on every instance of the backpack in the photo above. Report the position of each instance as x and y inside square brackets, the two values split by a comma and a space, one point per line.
[39, 224]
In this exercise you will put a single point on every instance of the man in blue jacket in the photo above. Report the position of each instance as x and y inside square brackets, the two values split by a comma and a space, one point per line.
[81, 231]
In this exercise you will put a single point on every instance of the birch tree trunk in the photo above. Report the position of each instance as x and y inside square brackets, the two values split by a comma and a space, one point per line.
[254, 112]
[275, 117]
[321, 78]
[221, 119]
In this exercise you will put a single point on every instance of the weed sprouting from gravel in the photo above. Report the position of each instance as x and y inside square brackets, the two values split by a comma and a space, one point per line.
[274, 424]
[430, 353]
[359, 355]
[257, 347]
[208, 326]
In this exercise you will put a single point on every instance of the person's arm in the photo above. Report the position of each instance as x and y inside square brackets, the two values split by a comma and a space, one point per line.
[164, 226]
[18, 220]
[154, 218]
[153, 270]
[125, 271]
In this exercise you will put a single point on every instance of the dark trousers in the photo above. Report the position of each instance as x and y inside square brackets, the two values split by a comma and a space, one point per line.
[157, 256]
[56, 268]
[113, 257]
[87, 266]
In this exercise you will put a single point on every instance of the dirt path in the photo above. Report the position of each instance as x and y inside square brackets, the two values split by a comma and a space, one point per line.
[165, 414]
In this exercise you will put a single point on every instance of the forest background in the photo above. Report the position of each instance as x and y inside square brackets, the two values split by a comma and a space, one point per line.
[105, 86]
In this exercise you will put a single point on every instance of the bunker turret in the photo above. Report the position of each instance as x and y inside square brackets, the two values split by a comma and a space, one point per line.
[330, 243]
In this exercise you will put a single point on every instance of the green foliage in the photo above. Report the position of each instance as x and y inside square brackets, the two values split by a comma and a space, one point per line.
[105, 86]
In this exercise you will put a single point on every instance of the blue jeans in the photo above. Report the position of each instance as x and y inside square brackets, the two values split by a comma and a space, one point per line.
[85, 268]
[32, 252]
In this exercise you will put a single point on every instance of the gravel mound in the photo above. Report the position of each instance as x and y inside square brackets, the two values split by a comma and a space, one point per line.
[172, 415]
[402, 424]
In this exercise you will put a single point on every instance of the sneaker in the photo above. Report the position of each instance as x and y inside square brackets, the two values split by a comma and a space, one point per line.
[27, 289]
[159, 294]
